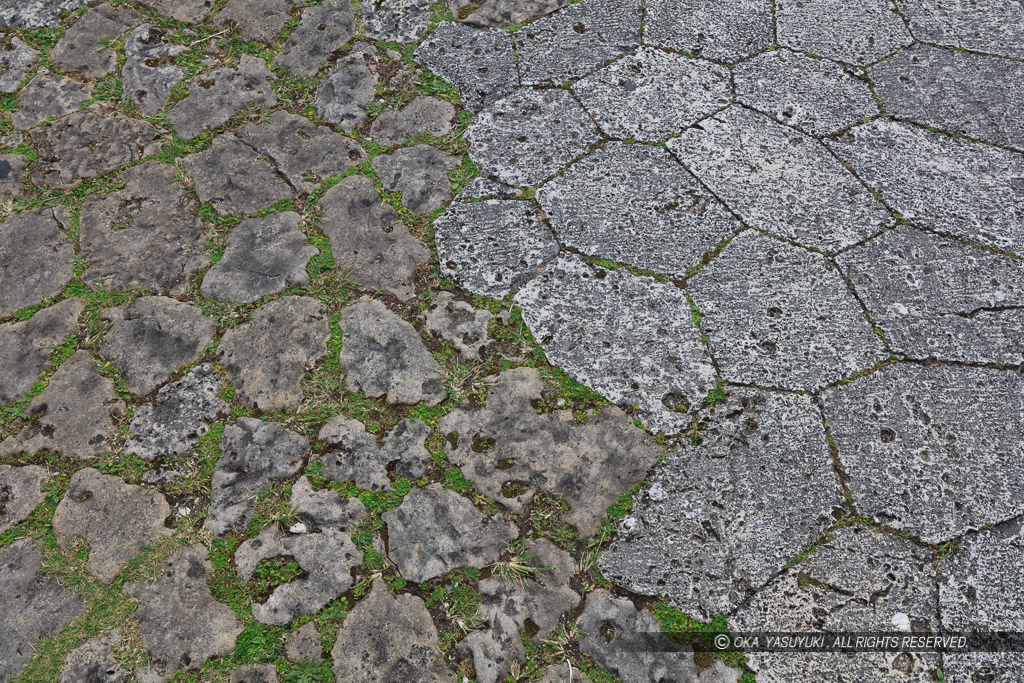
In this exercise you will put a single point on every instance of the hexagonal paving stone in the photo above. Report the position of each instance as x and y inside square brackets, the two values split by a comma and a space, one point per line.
[780, 180]
[934, 450]
[858, 34]
[479, 63]
[996, 27]
[637, 205]
[709, 28]
[779, 316]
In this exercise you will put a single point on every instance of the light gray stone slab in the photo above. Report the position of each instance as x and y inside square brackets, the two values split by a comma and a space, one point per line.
[85, 46]
[185, 11]
[501, 13]
[35, 259]
[996, 26]
[479, 63]
[323, 29]
[834, 29]
[345, 93]
[233, 178]
[49, 95]
[93, 662]
[423, 115]
[259, 20]
[149, 70]
[324, 509]
[420, 173]
[16, 58]
[25, 346]
[353, 454]
[304, 644]
[20, 493]
[36, 13]
[213, 97]
[709, 28]
[456, 322]
[400, 21]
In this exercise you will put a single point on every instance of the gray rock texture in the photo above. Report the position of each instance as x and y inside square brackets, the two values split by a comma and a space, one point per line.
[85, 46]
[454, 321]
[263, 256]
[817, 96]
[710, 29]
[149, 72]
[144, 236]
[233, 178]
[152, 337]
[435, 530]
[858, 580]
[636, 204]
[353, 454]
[780, 180]
[933, 450]
[92, 662]
[16, 58]
[255, 454]
[34, 606]
[957, 92]
[304, 644]
[400, 21]
[20, 493]
[501, 13]
[178, 415]
[182, 625]
[185, 11]
[49, 95]
[832, 28]
[12, 169]
[74, 416]
[652, 353]
[939, 182]
[993, 27]
[36, 13]
[256, 673]
[345, 93]
[652, 94]
[35, 258]
[116, 519]
[25, 347]
[390, 638]
[324, 509]
[479, 63]
[779, 316]
[721, 519]
[323, 29]
[383, 355]
[370, 246]
[424, 115]
[419, 173]
[259, 20]
[213, 97]
[940, 298]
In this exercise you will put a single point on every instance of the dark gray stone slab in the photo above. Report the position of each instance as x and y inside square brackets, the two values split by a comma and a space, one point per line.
[323, 29]
[20, 493]
[93, 662]
[186, 11]
[12, 170]
[420, 173]
[400, 21]
[993, 27]
[35, 259]
[149, 71]
[478, 62]
[709, 28]
[213, 97]
[49, 95]
[304, 644]
[233, 178]
[85, 46]
[345, 93]
[457, 322]
[256, 673]
[353, 454]
[25, 347]
[259, 20]
[422, 115]
[832, 28]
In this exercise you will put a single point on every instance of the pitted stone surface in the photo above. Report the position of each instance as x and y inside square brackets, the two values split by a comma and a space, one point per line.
[35, 258]
[529, 136]
[422, 115]
[144, 236]
[435, 530]
[149, 71]
[370, 246]
[304, 644]
[116, 519]
[12, 170]
[780, 180]
[92, 662]
[34, 606]
[992, 27]
[502, 13]
[931, 449]
[327, 558]
[710, 29]
[506, 607]
[74, 416]
[20, 493]
[263, 256]
[213, 97]
[345, 93]
[400, 21]
[323, 29]
[324, 509]
[389, 638]
[267, 355]
[419, 173]
[484, 188]
[383, 355]
[49, 95]
[779, 316]
[957, 92]
[493, 247]
[304, 153]
[652, 355]
[940, 298]
[832, 28]
[457, 322]
[16, 58]
[182, 625]
[721, 519]
[817, 96]
[179, 414]
[255, 454]
[85, 46]
[354, 454]
[511, 453]
[25, 347]
[185, 11]
[233, 177]
[636, 204]
[257, 673]
[858, 580]
[152, 337]
[576, 40]
[36, 13]
[478, 62]
[939, 182]
[652, 94]
[259, 20]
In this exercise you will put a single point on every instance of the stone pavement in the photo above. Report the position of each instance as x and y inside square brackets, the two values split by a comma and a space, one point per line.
[509, 340]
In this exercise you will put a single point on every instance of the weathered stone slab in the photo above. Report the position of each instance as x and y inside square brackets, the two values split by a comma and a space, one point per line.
[420, 173]
[710, 29]
[85, 46]
[993, 27]
[423, 115]
[323, 29]
[213, 97]
[233, 178]
[345, 93]
[459, 323]
[20, 493]
[353, 454]
[259, 20]
[478, 62]
[256, 673]
[25, 347]
[501, 13]
[12, 170]
[780, 180]
[651, 353]
[35, 259]
[16, 58]
[832, 28]
[304, 644]
[49, 95]
[324, 509]
[93, 662]
[186, 11]
[400, 21]
[36, 13]
[149, 71]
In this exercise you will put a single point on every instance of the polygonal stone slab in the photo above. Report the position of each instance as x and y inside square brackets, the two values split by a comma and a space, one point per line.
[629, 337]
[185, 11]
[324, 509]
[422, 115]
[709, 28]
[993, 27]
[859, 580]
[577, 40]
[116, 519]
[420, 173]
[493, 247]
[858, 34]
[401, 21]
[721, 519]
[652, 94]
[817, 96]
[35, 259]
[457, 322]
[940, 298]
[25, 347]
[233, 178]
[49, 95]
[345, 93]
[959, 93]
[213, 97]
[149, 72]
[478, 62]
[779, 316]
[323, 29]
[636, 204]
[304, 644]
[353, 454]
[267, 355]
[511, 453]
[934, 450]
[528, 136]
[942, 183]
[93, 661]
[259, 20]
[15, 60]
[780, 180]
[20, 493]
[85, 46]
[12, 169]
